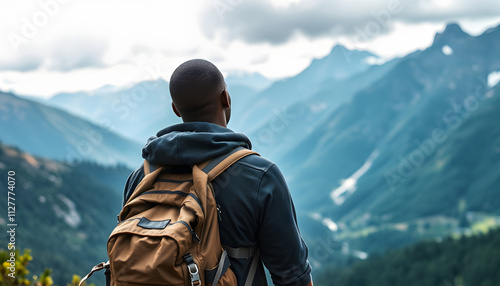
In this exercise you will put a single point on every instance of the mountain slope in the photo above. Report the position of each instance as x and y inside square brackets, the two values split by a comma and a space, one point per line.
[452, 175]
[285, 129]
[135, 112]
[140, 111]
[64, 214]
[53, 133]
[408, 99]
[460, 107]
[364, 176]
[255, 81]
[340, 64]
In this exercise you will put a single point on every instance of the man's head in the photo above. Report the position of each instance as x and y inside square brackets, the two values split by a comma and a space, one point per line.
[199, 93]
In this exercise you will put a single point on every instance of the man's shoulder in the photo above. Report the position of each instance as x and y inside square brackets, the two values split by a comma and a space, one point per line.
[255, 162]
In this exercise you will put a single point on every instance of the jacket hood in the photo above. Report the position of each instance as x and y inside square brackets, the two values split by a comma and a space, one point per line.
[191, 143]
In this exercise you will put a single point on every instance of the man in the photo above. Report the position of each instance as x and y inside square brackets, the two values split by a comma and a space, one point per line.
[255, 203]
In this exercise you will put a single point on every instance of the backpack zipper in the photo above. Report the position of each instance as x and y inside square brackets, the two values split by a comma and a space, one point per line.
[219, 212]
[194, 236]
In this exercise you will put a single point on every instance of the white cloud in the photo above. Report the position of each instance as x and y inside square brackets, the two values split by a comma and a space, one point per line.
[260, 21]
[84, 44]
[44, 83]
[403, 39]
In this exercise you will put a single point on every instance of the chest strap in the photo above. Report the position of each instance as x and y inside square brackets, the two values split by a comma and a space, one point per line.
[246, 253]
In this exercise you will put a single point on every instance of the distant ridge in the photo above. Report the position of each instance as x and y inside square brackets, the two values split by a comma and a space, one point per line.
[53, 133]
[340, 64]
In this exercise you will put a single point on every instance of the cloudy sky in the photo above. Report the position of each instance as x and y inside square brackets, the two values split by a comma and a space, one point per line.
[49, 46]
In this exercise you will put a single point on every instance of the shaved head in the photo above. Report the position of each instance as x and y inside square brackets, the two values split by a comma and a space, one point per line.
[196, 87]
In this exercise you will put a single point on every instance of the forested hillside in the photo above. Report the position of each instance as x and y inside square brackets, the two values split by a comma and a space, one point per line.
[64, 213]
[467, 261]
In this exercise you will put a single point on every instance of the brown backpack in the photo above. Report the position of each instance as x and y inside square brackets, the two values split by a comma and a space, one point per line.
[168, 231]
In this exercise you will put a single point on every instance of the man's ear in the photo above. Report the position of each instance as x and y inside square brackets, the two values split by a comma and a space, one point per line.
[226, 100]
[175, 110]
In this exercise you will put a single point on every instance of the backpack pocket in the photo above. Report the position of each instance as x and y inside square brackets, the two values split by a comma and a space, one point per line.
[134, 250]
[221, 275]
[228, 279]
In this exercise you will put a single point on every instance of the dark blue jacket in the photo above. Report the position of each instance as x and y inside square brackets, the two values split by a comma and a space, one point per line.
[257, 209]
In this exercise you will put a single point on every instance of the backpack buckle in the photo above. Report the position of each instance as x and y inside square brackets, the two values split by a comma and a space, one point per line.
[193, 270]
[195, 276]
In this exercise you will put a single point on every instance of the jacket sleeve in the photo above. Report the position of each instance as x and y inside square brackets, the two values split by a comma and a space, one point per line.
[281, 246]
[132, 181]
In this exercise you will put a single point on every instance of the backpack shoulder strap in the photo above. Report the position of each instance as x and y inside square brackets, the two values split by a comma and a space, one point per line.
[212, 168]
[149, 168]
[219, 164]
[151, 172]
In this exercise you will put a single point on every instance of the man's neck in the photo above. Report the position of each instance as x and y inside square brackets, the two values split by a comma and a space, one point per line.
[219, 121]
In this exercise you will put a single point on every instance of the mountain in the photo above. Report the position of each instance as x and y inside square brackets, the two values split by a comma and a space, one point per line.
[287, 127]
[340, 64]
[243, 89]
[414, 154]
[136, 112]
[449, 182]
[255, 81]
[64, 212]
[139, 111]
[54, 133]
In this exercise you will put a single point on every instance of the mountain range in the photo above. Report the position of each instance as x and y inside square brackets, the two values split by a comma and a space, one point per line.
[412, 155]
[377, 156]
[124, 110]
[139, 111]
[54, 133]
[270, 103]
